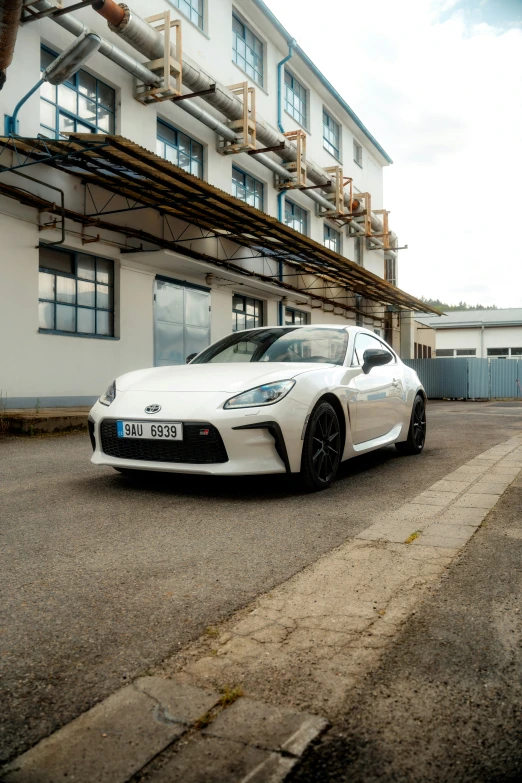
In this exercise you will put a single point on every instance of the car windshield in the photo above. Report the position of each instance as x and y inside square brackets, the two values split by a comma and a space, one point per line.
[279, 344]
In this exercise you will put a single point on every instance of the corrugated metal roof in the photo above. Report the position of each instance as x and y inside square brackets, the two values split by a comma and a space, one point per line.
[469, 319]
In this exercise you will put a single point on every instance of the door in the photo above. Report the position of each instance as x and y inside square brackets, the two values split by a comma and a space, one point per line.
[376, 398]
[181, 322]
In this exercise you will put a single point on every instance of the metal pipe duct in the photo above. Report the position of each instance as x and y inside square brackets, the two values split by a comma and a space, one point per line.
[10, 11]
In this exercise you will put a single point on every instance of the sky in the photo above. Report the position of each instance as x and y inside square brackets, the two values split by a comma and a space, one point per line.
[439, 85]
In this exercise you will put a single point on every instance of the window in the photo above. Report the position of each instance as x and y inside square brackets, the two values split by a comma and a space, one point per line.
[466, 352]
[83, 104]
[332, 239]
[358, 250]
[76, 293]
[445, 352]
[192, 9]
[295, 317]
[357, 153]
[247, 188]
[364, 341]
[247, 50]
[391, 270]
[331, 135]
[516, 352]
[422, 351]
[178, 148]
[295, 217]
[498, 353]
[295, 99]
[246, 313]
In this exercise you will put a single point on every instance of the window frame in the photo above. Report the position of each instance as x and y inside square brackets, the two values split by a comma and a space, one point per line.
[327, 228]
[295, 310]
[247, 300]
[111, 286]
[358, 153]
[257, 182]
[358, 251]
[167, 142]
[302, 120]
[335, 151]
[178, 6]
[74, 84]
[248, 30]
[303, 210]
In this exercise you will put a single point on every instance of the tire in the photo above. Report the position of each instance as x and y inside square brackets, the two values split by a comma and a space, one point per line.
[321, 449]
[417, 430]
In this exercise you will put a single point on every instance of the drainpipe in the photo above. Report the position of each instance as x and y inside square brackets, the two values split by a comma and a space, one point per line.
[280, 203]
[280, 65]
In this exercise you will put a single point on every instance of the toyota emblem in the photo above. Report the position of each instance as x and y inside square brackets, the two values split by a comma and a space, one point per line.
[153, 409]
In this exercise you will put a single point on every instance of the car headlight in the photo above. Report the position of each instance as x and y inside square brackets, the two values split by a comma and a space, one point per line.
[267, 394]
[109, 395]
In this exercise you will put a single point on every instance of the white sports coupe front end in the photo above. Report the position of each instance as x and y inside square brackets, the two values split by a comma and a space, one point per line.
[286, 399]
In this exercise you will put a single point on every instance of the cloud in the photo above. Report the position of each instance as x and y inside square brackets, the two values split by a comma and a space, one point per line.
[440, 87]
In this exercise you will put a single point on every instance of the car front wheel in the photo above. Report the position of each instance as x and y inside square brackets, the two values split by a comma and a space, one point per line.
[321, 449]
[417, 430]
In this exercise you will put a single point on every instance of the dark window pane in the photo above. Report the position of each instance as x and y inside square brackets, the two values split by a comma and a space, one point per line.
[238, 303]
[87, 84]
[106, 95]
[86, 267]
[46, 58]
[516, 352]
[104, 271]
[58, 260]
[103, 296]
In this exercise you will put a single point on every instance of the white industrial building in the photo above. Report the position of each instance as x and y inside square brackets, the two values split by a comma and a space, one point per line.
[484, 334]
[197, 174]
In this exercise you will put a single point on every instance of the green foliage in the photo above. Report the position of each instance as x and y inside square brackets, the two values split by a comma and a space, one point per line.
[443, 307]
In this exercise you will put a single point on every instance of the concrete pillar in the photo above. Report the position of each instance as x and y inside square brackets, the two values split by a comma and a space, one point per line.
[407, 334]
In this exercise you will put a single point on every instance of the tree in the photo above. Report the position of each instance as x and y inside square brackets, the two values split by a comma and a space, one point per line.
[443, 307]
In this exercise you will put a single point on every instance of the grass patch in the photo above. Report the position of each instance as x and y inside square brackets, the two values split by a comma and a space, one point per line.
[211, 631]
[229, 695]
[413, 536]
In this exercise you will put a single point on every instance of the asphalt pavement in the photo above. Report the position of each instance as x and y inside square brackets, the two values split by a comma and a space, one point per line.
[101, 578]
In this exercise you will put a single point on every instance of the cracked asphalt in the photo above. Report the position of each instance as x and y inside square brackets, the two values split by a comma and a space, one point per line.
[101, 579]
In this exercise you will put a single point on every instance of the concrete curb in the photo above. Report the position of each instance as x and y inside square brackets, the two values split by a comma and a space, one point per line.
[48, 420]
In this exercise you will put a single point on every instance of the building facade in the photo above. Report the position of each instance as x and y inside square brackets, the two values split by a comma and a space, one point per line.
[136, 227]
[484, 334]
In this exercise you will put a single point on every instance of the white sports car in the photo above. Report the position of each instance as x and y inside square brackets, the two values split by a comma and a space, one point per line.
[285, 399]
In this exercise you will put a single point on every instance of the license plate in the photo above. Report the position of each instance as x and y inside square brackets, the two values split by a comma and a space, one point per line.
[165, 430]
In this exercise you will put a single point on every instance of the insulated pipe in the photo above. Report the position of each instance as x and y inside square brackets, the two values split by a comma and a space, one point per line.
[10, 11]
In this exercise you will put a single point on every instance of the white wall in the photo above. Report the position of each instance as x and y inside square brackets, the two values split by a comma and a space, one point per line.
[498, 337]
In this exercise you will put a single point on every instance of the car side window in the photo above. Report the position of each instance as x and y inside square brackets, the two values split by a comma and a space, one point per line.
[362, 343]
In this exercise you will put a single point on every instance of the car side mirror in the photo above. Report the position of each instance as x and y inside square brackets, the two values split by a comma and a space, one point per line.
[375, 357]
[190, 357]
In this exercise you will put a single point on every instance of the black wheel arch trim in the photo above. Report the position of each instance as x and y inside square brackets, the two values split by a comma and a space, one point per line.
[276, 432]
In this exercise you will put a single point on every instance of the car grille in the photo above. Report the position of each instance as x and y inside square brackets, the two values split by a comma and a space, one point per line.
[195, 449]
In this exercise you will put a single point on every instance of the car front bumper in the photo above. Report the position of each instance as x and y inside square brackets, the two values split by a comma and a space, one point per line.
[259, 440]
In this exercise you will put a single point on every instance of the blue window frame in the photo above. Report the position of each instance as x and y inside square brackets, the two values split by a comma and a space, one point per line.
[296, 217]
[83, 104]
[332, 239]
[192, 9]
[247, 50]
[331, 135]
[295, 317]
[246, 188]
[178, 148]
[76, 293]
[357, 153]
[295, 99]
[247, 313]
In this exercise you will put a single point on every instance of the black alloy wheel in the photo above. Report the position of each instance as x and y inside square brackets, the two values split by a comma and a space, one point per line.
[417, 430]
[321, 449]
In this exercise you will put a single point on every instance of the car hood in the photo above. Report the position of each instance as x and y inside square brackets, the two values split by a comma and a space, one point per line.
[233, 377]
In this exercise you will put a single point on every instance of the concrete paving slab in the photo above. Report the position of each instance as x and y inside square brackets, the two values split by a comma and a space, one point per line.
[491, 487]
[445, 485]
[462, 477]
[211, 760]
[464, 516]
[107, 744]
[396, 533]
[443, 539]
[266, 726]
[177, 702]
[430, 498]
[476, 500]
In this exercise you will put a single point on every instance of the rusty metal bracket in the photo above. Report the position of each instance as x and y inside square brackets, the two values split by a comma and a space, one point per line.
[32, 16]
[274, 148]
[198, 94]
[168, 67]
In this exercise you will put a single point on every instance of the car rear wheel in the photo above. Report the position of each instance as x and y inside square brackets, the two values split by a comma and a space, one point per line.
[321, 449]
[417, 431]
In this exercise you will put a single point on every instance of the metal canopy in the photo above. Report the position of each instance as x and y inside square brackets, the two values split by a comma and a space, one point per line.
[124, 168]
